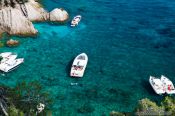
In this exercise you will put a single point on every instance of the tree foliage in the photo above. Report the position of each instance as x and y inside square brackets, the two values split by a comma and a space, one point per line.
[169, 105]
[148, 107]
[26, 96]
[23, 99]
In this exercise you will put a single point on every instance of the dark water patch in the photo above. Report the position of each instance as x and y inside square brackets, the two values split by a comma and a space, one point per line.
[54, 33]
[124, 95]
[61, 97]
[167, 32]
[82, 9]
[78, 95]
[91, 93]
[146, 85]
[86, 108]
[69, 66]
[144, 23]
[162, 43]
[64, 111]
[49, 65]
[50, 81]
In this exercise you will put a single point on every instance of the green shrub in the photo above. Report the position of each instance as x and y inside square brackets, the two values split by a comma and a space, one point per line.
[169, 104]
[1, 44]
[114, 113]
[12, 111]
[26, 96]
[147, 107]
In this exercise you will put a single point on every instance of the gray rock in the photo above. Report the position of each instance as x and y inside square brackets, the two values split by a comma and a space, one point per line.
[58, 15]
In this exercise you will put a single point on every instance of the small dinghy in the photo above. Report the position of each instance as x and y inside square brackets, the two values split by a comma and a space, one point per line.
[157, 85]
[169, 87]
[75, 20]
[79, 65]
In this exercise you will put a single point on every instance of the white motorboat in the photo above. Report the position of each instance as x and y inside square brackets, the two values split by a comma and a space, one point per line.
[157, 85]
[75, 20]
[79, 65]
[169, 87]
[9, 61]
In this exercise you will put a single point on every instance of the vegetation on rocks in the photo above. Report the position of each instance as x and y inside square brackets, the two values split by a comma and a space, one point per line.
[23, 99]
[114, 113]
[1, 44]
[169, 105]
[147, 107]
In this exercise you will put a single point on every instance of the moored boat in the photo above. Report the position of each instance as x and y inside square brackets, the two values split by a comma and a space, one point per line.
[9, 61]
[75, 20]
[169, 87]
[157, 85]
[79, 65]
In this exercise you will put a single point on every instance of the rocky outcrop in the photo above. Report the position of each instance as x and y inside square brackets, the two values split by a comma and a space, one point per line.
[35, 11]
[16, 19]
[14, 22]
[58, 15]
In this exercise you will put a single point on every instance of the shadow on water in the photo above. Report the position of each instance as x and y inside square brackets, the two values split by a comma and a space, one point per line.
[154, 97]
[146, 85]
[68, 67]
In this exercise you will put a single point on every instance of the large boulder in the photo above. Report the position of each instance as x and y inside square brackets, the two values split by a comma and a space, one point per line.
[58, 15]
[35, 11]
[14, 22]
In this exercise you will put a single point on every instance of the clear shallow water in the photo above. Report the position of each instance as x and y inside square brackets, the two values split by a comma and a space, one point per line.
[126, 41]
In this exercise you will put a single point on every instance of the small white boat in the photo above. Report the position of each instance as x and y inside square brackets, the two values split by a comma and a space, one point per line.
[169, 87]
[75, 20]
[157, 85]
[79, 65]
[9, 61]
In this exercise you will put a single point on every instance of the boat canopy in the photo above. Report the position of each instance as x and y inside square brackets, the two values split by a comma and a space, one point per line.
[81, 57]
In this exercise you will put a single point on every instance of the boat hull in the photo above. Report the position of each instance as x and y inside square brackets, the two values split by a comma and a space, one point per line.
[167, 82]
[9, 62]
[157, 91]
[75, 21]
[76, 69]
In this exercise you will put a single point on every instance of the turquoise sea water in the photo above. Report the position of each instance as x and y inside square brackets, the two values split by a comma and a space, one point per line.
[126, 41]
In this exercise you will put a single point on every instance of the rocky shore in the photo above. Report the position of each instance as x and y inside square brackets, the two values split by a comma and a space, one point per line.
[16, 17]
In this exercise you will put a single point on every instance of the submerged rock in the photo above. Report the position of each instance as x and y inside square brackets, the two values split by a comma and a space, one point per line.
[58, 15]
[12, 43]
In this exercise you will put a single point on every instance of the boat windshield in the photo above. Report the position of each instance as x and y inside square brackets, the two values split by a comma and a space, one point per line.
[81, 58]
[75, 67]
